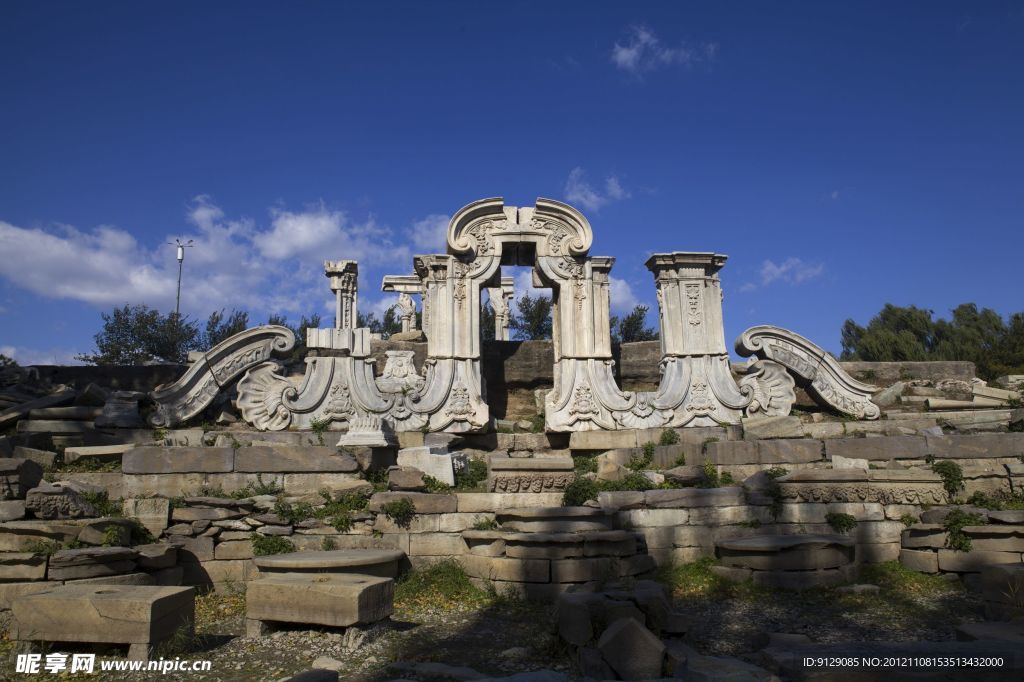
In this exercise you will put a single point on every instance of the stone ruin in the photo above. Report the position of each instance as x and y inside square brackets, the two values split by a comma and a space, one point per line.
[697, 387]
[114, 525]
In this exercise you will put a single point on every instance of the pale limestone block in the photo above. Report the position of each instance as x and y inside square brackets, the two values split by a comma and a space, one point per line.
[652, 518]
[436, 544]
[491, 502]
[501, 568]
[457, 522]
[151, 512]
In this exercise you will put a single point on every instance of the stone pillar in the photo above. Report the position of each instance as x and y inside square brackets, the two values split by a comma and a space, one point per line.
[693, 339]
[344, 275]
[407, 311]
[501, 302]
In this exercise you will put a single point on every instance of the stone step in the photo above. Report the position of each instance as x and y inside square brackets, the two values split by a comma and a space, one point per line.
[371, 562]
[554, 519]
[334, 600]
[98, 453]
[787, 552]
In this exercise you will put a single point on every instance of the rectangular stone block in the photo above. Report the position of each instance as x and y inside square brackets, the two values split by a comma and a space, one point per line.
[825, 430]
[603, 440]
[695, 497]
[580, 570]
[668, 456]
[17, 477]
[876, 553]
[976, 446]
[653, 518]
[151, 512]
[11, 591]
[621, 499]
[421, 523]
[813, 512]
[54, 426]
[714, 516]
[293, 459]
[877, 531]
[193, 550]
[1004, 584]
[425, 503]
[975, 560]
[435, 464]
[12, 510]
[22, 566]
[879, 448]
[312, 483]
[924, 536]
[177, 460]
[731, 452]
[458, 522]
[234, 549]
[501, 568]
[789, 451]
[772, 427]
[234, 572]
[330, 599]
[119, 614]
[436, 544]
[17, 536]
[491, 502]
[686, 555]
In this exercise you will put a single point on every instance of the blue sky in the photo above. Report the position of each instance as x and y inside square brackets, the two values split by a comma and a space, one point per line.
[844, 155]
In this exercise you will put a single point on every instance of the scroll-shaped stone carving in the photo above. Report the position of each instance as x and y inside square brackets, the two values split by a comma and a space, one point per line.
[196, 389]
[773, 387]
[820, 373]
[900, 486]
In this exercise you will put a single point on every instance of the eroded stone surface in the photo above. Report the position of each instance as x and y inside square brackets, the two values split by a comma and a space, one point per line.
[331, 599]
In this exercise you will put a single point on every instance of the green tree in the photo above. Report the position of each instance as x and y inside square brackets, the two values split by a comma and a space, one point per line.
[534, 319]
[487, 331]
[632, 327]
[983, 337]
[390, 324]
[137, 334]
[220, 327]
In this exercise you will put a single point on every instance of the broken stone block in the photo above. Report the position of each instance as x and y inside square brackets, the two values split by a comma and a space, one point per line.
[685, 475]
[368, 562]
[17, 477]
[22, 566]
[430, 462]
[139, 616]
[122, 411]
[43, 458]
[107, 531]
[17, 536]
[91, 562]
[12, 510]
[331, 599]
[408, 478]
[156, 556]
[151, 512]
[631, 650]
[58, 501]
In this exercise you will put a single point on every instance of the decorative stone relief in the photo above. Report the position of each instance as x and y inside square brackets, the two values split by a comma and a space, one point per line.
[819, 372]
[196, 389]
[773, 387]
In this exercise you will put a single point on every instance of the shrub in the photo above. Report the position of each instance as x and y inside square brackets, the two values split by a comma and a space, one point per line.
[265, 545]
[952, 477]
[328, 544]
[997, 501]
[337, 510]
[642, 461]
[955, 521]
[435, 486]
[442, 584]
[485, 524]
[260, 487]
[319, 427]
[840, 522]
[668, 437]
[471, 475]
[712, 479]
[579, 491]
[293, 513]
[103, 504]
[400, 511]
[584, 464]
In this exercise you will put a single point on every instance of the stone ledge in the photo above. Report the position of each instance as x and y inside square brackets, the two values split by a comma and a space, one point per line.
[174, 460]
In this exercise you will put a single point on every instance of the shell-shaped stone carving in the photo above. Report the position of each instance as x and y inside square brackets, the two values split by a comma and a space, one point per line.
[774, 389]
[261, 398]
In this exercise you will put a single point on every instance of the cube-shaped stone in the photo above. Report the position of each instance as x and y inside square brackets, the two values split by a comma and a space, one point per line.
[331, 599]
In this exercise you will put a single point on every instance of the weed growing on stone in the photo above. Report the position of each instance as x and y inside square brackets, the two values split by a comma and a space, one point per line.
[435, 486]
[260, 487]
[642, 461]
[328, 544]
[955, 522]
[441, 585]
[841, 522]
[86, 465]
[400, 511]
[319, 427]
[537, 423]
[485, 524]
[265, 545]
[579, 491]
[668, 437]
[712, 479]
[584, 464]
[379, 480]
[952, 477]
[338, 510]
[997, 501]
[103, 504]
[472, 475]
[892, 576]
[909, 520]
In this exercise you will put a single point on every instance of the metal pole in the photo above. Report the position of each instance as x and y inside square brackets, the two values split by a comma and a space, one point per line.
[177, 300]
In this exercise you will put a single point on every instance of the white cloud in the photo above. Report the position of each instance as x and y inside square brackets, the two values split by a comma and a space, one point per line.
[791, 271]
[579, 192]
[294, 234]
[621, 296]
[643, 51]
[32, 356]
[430, 235]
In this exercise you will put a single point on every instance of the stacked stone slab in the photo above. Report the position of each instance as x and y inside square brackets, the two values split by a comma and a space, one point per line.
[138, 616]
[793, 562]
[339, 588]
[541, 552]
[997, 538]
